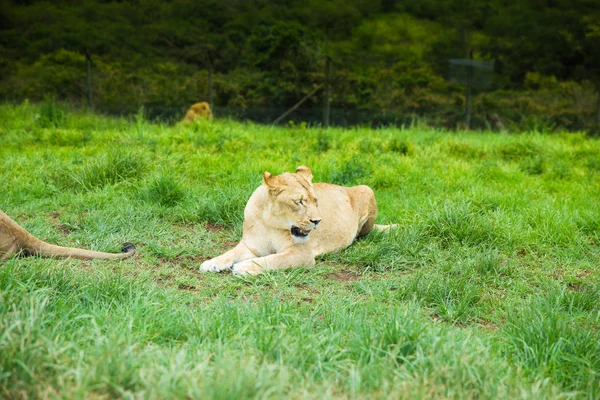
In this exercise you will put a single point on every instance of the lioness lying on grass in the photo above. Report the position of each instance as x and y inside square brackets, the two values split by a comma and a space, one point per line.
[16, 240]
[281, 221]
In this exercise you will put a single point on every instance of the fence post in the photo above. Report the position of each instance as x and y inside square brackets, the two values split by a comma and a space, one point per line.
[598, 110]
[210, 82]
[88, 59]
[468, 92]
[327, 91]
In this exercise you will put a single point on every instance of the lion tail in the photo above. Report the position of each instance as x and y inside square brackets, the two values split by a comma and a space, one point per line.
[41, 248]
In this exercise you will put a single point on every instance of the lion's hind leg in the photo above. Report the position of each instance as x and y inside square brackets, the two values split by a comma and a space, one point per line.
[366, 206]
[6, 253]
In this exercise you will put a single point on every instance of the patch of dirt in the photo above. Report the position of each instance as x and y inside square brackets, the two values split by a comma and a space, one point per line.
[584, 274]
[186, 226]
[245, 298]
[186, 287]
[488, 325]
[198, 259]
[66, 229]
[575, 287]
[164, 278]
[343, 276]
[557, 274]
[54, 215]
[214, 227]
[63, 228]
[195, 271]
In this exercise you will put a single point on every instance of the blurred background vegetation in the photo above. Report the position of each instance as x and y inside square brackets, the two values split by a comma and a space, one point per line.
[389, 59]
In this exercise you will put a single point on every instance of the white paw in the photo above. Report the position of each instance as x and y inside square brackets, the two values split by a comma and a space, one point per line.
[246, 268]
[215, 265]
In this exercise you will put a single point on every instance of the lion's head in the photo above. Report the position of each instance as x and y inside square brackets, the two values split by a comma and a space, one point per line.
[202, 110]
[292, 203]
[198, 111]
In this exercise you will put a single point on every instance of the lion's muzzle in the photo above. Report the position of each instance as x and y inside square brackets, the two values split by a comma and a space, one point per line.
[299, 232]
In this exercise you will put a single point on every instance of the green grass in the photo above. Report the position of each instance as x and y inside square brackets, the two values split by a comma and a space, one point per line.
[489, 288]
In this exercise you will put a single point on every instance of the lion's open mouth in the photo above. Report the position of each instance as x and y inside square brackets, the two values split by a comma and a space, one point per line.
[299, 232]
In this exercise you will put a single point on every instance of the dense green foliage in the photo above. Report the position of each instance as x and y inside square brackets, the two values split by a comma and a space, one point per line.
[390, 58]
[487, 289]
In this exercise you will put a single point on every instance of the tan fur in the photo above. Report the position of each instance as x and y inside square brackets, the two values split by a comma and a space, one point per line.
[16, 240]
[333, 216]
[198, 111]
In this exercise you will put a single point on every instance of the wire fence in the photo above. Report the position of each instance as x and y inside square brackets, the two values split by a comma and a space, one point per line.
[461, 94]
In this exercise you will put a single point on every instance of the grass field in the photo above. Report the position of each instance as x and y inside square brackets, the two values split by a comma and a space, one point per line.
[488, 289]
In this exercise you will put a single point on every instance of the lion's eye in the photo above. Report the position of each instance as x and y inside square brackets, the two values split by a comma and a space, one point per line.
[299, 201]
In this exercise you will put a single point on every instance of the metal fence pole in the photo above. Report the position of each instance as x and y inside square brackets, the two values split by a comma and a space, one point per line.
[327, 91]
[468, 92]
[210, 82]
[210, 87]
[88, 59]
[598, 110]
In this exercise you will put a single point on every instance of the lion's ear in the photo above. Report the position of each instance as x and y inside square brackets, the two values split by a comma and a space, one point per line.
[304, 171]
[268, 178]
[271, 182]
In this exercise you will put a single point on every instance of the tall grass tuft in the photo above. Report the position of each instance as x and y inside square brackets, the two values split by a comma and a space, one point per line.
[106, 169]
[350, 172]
[52, 114]
[459, 222]
[384, 251]
[165, 190]
[452, 299]
[401, 146]
[544, 340]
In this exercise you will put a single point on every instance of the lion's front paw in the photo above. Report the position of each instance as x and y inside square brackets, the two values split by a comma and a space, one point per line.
[214, 265]
[247, 268]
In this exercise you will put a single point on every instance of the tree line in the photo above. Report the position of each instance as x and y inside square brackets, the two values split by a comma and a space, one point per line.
[389, 57]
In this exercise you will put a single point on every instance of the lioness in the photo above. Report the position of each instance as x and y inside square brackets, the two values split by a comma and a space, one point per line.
[281, 220]
[197, 111]
[14, 240]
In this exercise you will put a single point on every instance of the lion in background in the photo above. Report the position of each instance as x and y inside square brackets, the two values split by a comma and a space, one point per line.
[196, 112]
[16, 240]
[281, 220]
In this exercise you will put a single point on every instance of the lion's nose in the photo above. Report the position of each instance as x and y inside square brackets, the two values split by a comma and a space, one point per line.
[315, 221]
